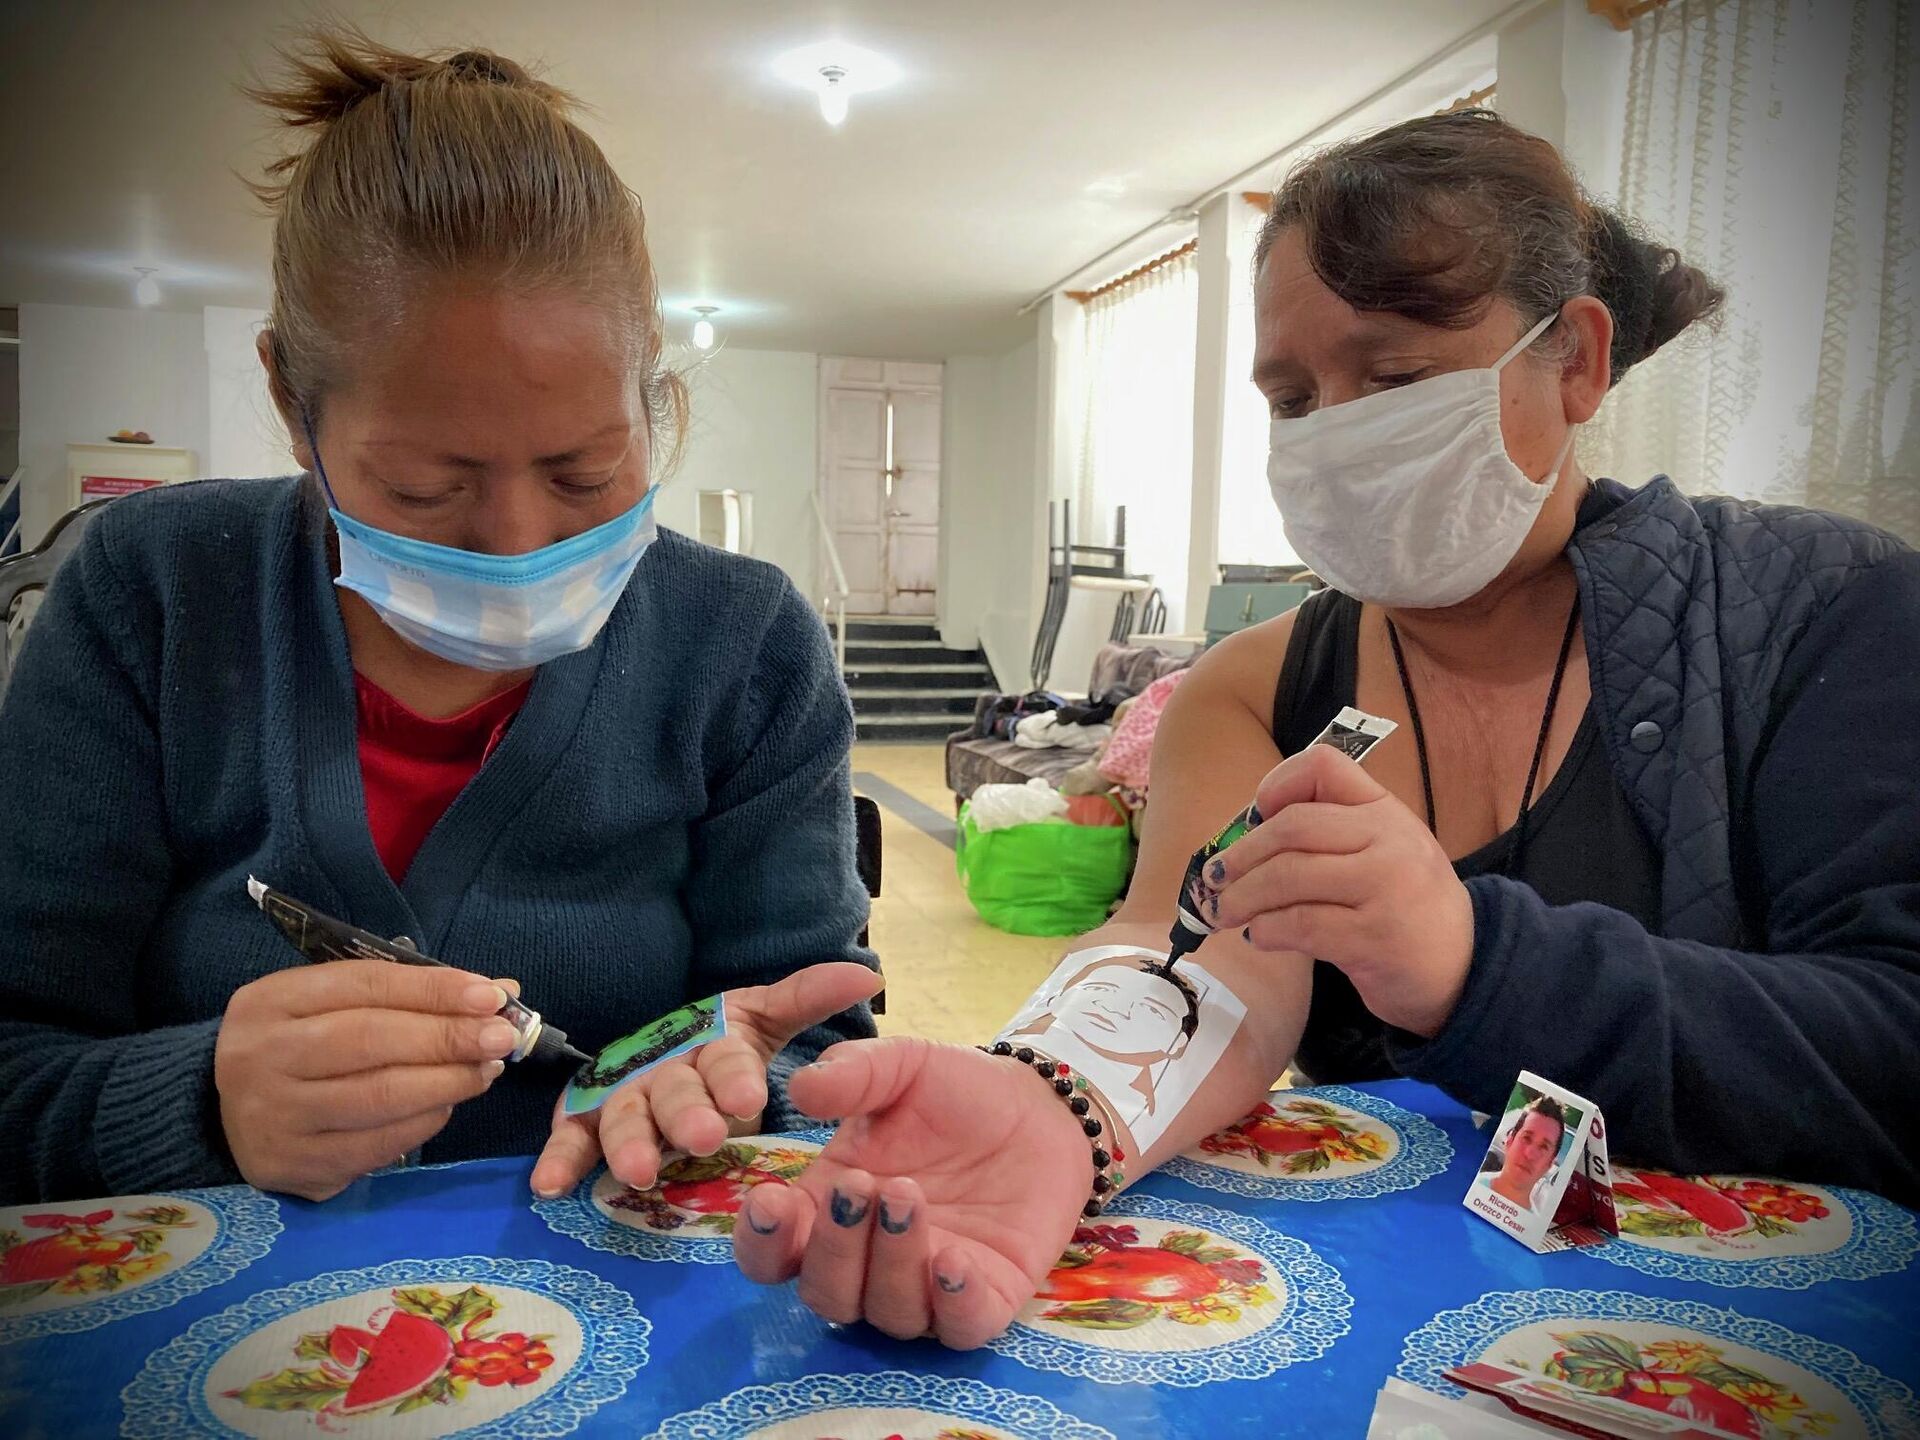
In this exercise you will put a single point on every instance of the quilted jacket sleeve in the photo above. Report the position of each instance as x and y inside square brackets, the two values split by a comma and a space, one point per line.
[1800, 1058]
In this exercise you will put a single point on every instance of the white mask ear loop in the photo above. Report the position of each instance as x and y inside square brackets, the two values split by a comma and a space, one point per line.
[1553, 471]
[1525, 340]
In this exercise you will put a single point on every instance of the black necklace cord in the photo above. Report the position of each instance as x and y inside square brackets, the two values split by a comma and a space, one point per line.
[1518, 849]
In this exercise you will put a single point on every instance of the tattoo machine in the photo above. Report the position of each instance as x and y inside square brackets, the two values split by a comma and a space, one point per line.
[1353, 733]
[320, 937]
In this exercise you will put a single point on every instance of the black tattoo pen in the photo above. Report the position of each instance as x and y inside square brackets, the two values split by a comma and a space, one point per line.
[1353, 733]
[320, 937]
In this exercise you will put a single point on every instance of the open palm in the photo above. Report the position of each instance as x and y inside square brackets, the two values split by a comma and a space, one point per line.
[951, 1188]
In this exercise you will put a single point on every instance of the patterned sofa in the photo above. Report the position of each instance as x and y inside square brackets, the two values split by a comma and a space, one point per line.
[972, 763]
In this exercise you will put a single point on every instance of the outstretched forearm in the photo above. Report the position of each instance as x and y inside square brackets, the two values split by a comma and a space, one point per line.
[1274, 989]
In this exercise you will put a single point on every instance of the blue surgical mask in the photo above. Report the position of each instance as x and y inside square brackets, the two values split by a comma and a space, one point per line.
[491, 612]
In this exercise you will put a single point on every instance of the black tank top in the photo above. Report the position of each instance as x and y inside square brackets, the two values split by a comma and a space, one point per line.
[1583, 841]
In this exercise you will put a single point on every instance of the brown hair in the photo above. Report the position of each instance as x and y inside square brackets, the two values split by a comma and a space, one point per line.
[1542, 1105]
[1435, 218]
[430, 168]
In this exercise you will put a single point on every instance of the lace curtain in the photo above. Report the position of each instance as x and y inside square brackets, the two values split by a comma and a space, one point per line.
[1135, 443]
[1769, 140]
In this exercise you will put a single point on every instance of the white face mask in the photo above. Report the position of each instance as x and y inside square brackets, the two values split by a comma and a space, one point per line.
[1408, 497]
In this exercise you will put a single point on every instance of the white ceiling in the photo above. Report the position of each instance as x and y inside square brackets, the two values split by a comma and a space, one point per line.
[1024, 138]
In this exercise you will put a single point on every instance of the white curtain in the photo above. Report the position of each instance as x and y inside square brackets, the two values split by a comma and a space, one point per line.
[1768, 140]
[1135, 442]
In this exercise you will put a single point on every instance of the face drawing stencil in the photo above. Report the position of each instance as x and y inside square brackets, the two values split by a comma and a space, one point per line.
[1143, 1038]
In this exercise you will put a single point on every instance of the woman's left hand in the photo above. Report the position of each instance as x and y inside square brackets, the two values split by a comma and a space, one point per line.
[689, 1102]
[1343, 872]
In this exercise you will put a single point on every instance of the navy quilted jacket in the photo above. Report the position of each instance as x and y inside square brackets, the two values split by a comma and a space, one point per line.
[1756, 675]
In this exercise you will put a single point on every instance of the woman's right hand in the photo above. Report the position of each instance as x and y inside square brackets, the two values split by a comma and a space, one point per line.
[328, 1072]
[952, 1186]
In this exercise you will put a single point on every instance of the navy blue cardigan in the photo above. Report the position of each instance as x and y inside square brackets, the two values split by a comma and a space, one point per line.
[1756, 678]
[668, 816]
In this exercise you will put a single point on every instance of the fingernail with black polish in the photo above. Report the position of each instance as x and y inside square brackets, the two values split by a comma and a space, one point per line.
[1213, 905]
[1218, 874]
[847, 1212]
[952, 1287]
[894, 1225]
[760, 1229]
[1247, 934]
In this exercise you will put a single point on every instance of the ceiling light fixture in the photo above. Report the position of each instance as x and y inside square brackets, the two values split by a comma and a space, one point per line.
[833, 94]
[703, 336]
[146, 290]
[835, 72]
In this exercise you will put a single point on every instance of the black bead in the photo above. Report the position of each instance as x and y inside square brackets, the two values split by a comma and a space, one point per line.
[1063, 1086]
[1090, 1209]
[1078, 1104]
[1023, 1055]
[1045, 1067]
[1092, 1127]
[1101, 1159]
[1001, 1047]
[1101, 1185]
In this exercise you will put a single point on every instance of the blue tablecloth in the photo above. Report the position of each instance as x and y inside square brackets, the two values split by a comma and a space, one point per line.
[1267, 1286]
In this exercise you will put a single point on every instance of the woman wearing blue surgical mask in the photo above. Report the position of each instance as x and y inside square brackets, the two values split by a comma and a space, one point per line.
[452, 683]
[1650, 824]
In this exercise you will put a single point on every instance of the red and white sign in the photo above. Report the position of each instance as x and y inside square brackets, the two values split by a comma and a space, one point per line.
[99, 487]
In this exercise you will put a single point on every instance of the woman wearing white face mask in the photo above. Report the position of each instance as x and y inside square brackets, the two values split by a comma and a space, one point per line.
[1650, 825]
[450, 684]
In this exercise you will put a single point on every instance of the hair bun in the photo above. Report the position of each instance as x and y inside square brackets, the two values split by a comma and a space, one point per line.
[336, 70]
[1652, 292]
[486, 66]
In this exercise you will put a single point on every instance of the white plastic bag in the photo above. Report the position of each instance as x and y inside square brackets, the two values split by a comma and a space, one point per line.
[998, 807]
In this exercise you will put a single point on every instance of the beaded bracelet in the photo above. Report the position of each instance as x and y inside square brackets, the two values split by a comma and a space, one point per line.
[1074, 1090]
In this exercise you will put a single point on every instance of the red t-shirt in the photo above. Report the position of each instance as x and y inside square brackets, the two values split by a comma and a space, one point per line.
[412, 768]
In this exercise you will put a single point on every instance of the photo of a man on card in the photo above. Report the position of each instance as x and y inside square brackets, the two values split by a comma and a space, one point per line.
[1532, 1150]
[1534, 1154]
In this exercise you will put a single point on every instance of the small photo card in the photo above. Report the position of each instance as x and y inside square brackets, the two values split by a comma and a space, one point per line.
[1545, 1179]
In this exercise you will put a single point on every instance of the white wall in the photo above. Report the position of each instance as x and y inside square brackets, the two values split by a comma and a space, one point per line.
[86, 372]
[754, 428]
[244, 434]
[1562, 74]
[992, 545]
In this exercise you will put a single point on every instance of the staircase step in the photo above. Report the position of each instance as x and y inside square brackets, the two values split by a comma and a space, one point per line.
[912, 652]
[917, 677]
[882, 627]
[913, 703]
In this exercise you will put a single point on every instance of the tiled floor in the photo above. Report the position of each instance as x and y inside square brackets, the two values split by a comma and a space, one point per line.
[950, 975]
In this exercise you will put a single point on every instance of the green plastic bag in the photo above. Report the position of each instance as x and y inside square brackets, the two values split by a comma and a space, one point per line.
[1053, 878]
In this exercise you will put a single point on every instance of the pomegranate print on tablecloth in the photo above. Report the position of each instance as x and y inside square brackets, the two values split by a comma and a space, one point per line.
[690, 1213]
[73, 1266]
[1326, 1143]
[1748, 1378]
[1179, 1294]
[417, 1348]
[1744, 1232]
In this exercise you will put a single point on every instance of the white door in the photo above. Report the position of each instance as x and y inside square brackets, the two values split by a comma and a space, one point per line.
[913, 502]
[880, 476]
[856, 456]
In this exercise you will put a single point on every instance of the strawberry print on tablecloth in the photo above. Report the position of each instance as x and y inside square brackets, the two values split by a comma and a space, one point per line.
[690, 1213]
[1747, 1379]
[1325, 1143]
[1179, 1294]
[76, 1265]
[1743, 1232]
[421, 1349]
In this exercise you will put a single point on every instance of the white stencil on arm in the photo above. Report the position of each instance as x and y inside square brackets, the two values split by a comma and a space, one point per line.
[1143, 1040]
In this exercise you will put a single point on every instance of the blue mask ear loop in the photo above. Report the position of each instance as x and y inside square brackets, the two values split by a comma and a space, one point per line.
[319, 466]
